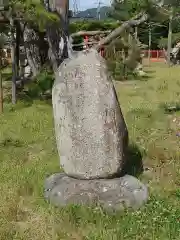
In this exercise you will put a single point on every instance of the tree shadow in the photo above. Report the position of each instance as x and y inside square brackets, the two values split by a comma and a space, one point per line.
[170, 108]
[135, 77]
[149, 71]
[148, 75]
[26, 97]
[7, 76]
[27, 100]
[39, 89]
[133, 164]
[145, 77]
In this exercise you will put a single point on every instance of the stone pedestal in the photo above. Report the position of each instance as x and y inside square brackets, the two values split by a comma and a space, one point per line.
[92, 139]
[111, 194]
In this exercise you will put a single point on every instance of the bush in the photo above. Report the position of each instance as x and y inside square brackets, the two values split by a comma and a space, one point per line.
[163, 42]
[41, 86]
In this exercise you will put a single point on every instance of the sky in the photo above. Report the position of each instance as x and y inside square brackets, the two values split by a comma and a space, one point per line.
[84, 4]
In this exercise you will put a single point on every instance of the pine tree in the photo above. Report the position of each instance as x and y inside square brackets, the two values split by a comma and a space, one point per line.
[30, 21]
[37, 21]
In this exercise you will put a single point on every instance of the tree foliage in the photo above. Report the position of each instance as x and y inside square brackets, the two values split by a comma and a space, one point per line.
[92, 25]
[32, 11]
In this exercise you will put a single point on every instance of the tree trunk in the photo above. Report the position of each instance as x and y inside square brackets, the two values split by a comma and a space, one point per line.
[54, 39]
[17, 50]
[1, 92]
[13, 59]
[57, 33]
[149, 45]
[32, 50]
[170, 38]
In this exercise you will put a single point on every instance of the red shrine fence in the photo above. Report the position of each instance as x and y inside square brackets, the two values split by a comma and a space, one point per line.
[155, 55]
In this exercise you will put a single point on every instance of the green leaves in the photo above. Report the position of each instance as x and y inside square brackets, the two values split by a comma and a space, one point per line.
[157, 9]
[3, 39]
[33, 11]
[164, 41]
[124, 10]
[92, 26]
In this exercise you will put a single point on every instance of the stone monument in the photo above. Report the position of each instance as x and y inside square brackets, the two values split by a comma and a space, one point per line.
[92, 138]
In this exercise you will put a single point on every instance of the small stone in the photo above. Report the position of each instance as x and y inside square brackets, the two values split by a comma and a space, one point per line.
[111, 194]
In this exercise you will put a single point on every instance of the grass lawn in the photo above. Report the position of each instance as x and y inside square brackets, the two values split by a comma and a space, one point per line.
[28, 154]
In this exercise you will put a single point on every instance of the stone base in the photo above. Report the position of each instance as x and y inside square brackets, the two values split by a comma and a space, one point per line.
[111, 194]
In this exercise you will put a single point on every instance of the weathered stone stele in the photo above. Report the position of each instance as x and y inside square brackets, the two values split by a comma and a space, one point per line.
[90, 130]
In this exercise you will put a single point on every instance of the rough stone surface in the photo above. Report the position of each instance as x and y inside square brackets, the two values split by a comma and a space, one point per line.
[90, 130]
[111, 194]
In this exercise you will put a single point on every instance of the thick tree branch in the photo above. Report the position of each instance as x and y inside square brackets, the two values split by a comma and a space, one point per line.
[85, 44]
[88, 33]
[137, 20]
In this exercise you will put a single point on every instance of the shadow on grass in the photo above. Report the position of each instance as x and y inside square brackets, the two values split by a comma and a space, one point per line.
[134, 77]
[145, 78]
[148, 75]
[133, 165]
[9, 142]
[24, 101]
[37, 89]
[7, 76]
[148, 71]
[170, 108]
[28, 99]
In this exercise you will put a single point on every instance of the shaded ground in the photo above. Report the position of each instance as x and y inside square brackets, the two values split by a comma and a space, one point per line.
[28, 154]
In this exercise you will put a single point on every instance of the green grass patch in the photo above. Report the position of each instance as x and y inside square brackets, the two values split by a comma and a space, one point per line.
[28, 154]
